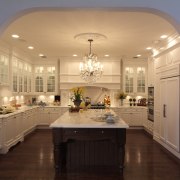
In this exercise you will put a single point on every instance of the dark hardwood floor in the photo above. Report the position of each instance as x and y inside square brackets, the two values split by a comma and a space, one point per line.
[33, 160]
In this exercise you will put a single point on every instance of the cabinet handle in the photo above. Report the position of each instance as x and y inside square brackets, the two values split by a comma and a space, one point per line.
[75, 132]
[164, 110]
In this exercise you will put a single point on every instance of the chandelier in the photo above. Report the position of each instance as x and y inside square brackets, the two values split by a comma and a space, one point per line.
[90, 70]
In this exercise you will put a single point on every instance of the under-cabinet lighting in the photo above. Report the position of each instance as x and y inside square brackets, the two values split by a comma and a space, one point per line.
[75, 55]
[106, 55]
[139, 55]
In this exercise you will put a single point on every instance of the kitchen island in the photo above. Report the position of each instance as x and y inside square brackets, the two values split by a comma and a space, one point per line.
[88, 126]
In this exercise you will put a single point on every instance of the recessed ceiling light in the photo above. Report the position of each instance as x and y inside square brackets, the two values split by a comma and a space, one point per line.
[15, 36]
[163, 36]
[149, 48]
[106, 55]
[41, 55]
[75, 55]
[30, 47]
[139, 55]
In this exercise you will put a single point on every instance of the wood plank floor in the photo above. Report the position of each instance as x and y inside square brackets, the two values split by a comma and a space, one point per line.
[33, 160]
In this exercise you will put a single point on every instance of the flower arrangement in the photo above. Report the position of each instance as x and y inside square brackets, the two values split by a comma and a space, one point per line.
[77, 94]
[121, 95]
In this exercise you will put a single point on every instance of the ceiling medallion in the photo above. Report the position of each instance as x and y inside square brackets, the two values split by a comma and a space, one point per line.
[84, 37]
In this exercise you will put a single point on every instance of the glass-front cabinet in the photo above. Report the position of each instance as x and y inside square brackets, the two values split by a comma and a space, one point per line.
[4, 69]
[15, 75]
[39, 79]
[21, 76]
[45, 79]
[129, 79]
[135, 78]
[141, 83]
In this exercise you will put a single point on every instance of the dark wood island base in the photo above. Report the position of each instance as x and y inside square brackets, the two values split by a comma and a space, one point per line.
[103, 140]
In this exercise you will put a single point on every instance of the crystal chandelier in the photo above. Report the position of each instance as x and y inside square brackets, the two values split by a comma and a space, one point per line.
[90, 70]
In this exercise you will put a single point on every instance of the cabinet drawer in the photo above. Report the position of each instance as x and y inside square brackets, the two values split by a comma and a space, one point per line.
[88, 134]
[74, 132]
[102, 132]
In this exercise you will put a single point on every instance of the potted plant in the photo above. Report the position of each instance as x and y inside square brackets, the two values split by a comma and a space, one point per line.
[77, 96]
[121, 95]
[130, 101]
[134, 100]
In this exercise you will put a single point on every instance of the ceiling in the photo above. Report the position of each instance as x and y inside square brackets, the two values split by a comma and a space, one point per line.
[52, 32]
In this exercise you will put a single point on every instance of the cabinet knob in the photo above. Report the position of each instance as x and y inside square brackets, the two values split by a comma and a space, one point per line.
[102, 132]
[75, 132]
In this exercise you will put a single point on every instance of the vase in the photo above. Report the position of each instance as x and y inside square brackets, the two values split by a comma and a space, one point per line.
[121, 102]
[77, 102]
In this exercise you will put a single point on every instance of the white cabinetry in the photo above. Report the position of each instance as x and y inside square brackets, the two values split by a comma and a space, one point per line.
[4, 69]
[12, 131]
[21, 76]
[169, 108]
[151, 73]
[166, 124]
[47, 115]
[45, 80]
[135, 78]
[133, 116]
[29, 120]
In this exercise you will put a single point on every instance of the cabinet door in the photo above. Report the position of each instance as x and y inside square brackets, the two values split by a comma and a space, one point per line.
[125, 117]
[50, 82]
[163, 101]
[135, 119]
[39, 79]
[170, 111]
[4, 69]
[9, 130]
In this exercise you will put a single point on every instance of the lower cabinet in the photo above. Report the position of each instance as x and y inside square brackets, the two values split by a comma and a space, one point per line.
[12, 131]
[133, 116]
[48, 115]
[29, 120]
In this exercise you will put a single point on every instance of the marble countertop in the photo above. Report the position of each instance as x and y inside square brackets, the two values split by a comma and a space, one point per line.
[87, 119]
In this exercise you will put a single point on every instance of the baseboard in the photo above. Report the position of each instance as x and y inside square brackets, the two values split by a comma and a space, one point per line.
[168, 149]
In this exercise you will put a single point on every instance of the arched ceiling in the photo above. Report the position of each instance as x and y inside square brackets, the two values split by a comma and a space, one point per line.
[52, 33]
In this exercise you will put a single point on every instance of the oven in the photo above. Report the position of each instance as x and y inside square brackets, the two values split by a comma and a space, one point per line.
[151, 103]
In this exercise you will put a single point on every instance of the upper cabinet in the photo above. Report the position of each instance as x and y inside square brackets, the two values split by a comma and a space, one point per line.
[135, 78]
[151, 72]
[45, 79]
[4, 69]
[21, 76]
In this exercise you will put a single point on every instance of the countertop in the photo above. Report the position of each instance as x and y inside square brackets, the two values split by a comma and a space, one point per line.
[87, 119]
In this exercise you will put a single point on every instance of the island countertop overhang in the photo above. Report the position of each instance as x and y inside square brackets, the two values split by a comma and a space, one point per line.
[86, 119]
